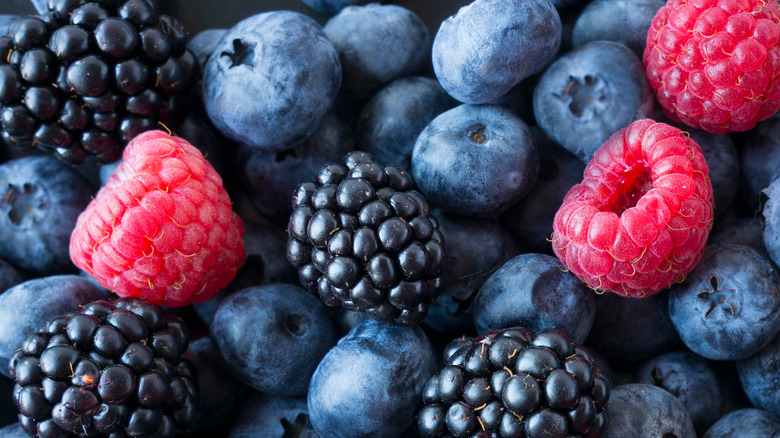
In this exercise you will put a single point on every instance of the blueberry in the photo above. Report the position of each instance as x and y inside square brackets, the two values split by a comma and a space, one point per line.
[638, 409]
[274, 416]
[770, 218]
[759, 376]
[331, 7]
[532, 291]
[589, 93]
[625, 22]
[271, 79]
[475, 160]
[490, 46]
[371, 382]
[204, 42]
[41, 200]
[759, 160]
[723, 162]
[8, 410]
[390, 122]
[728, 307]
[744, 231]
[745, 423]
[13, 431]
[361, 34]
[272, 336]
[28, 306]
[689, 378]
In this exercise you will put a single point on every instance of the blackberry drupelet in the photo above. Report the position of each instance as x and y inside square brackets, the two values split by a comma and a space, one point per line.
[112, 369]
[86, 77]
[513, 383]
[362, 237]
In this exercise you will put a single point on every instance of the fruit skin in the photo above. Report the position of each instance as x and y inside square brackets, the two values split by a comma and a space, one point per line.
[714, 66]
[13, 431]
[203, 43]
[27, 306]
[758, 161]
[371, 382]
[475, 160]
[331, 7]
[272, 79]
[758, 376]
[745, 423]
[587, 94]
[162, 227]
[639, 220]
[623, 22]
[471, 48]
[769, 215]
[272, 415]
[271, 337]
[638, 409]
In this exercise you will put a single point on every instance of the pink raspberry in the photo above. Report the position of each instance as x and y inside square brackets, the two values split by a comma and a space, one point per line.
[714, 64]
[162, 227]
[640, 218]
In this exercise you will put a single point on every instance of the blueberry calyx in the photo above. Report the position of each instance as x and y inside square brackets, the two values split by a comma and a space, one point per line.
[583, 94]
[718, 297]
[241, 54]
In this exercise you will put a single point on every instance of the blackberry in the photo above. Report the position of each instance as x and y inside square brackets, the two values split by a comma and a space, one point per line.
[86, 77]
[112, 369]
[513, 383]
[362, 237]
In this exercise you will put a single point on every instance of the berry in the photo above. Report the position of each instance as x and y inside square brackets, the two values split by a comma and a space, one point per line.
[111, 368]
[639, 409]
[514, 383]
[161, 228]
[639, 219]
[363, 238]
[714, 65]
[745, 422]
[91, 76]
[624, 22]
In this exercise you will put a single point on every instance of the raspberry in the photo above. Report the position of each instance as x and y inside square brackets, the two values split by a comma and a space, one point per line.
[640, 218]
[161, 228]
[713, 64]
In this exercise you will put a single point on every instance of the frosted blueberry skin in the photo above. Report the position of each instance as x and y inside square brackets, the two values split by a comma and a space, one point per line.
[371, 382]
[589, 93]
[532, 291]
[745, 422]
[758, 375]
[475, 160]
[204, 42]
[390, 122]
[271, 337]
[728, 308]
[331, 7]
[271, 80]
[29, 306]
[377, 44]
[759, 160]
[625, 22]
[489, 46]
[638, 409]
[13, 430]
[273, 416]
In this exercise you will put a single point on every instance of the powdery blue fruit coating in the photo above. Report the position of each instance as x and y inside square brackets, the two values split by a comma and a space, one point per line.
[489, 46]
[28, 306]
[589, 93]
[641, 410]
[271, 80]
[371, 382]
[769, 210]
[532, 291]
[475, 160]
[377, 44]
[759, 375]
[745, 423]
[273, 416]
[728, 308]
[759, 160]
[331, 7]
[272, 336]
[13, 431]
[691, 379]
[204, 42]
[390, 122]
[723, 164]
[625, 22]
[41, 200]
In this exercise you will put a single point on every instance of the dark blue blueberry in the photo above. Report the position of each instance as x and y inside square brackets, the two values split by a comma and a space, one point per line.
[489, 46]
[9, 276]
[620, 330]
[271, 80]
[745, 423]
[723, 162]
[391, 121]
[625, 22]
[377, 44]
[728, 307]
[769, 214]
[371, 382]
[589, 93]
[271, 337]
[759, 375]
[641, 410]
[331, 7]
[759, 160]
[29, 306]
[744, 231]
[690, 378]
[270, 178]
[272, 416]
[204, 42]
[41, 200]
[13, 431]
[532, 291]
[475, 160]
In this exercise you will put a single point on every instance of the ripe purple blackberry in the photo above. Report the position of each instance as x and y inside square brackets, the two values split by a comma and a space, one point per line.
[513, 383]
[363, 238]
[86, 77]
[112, 369]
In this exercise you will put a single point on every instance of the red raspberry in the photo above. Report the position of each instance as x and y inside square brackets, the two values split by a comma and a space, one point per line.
[639, 219]
[714, 64]
[162, 227]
